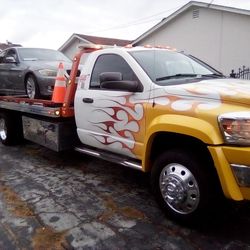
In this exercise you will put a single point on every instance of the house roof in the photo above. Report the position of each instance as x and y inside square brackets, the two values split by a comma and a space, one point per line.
[8, 45]
[184, 8]
[95, 40]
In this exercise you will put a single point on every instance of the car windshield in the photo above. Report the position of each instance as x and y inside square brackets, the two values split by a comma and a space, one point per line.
[169, 67]
[33, 54]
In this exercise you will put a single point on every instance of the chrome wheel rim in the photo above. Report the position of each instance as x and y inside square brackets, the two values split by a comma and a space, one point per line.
[3, 130]
[179, 188]
[30, 88]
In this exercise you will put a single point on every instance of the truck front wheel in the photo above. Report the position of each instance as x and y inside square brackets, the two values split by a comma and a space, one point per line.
[10, 129]
[182, 185]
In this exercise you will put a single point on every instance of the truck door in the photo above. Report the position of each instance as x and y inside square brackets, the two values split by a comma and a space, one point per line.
[112, 119]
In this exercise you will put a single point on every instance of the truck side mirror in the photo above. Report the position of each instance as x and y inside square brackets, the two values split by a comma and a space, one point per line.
[113, 81]
[110, 76]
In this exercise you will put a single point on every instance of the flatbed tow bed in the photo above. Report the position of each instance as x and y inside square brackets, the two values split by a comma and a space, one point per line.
[39, 121]
[44, 122]
[31, 106]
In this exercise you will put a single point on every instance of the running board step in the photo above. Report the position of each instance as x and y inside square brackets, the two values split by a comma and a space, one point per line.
[107, 156]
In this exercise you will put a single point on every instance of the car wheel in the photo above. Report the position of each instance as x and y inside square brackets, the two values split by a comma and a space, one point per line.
[184, 186]
[31, 87]
[10, 129]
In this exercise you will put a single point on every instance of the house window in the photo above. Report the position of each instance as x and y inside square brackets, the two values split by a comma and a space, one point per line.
[196, 13]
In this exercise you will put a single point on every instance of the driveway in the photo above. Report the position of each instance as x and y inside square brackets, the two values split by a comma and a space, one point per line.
[70, 201]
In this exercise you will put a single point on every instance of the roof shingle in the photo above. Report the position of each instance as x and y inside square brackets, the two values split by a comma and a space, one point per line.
[104, 40]
[8, 45]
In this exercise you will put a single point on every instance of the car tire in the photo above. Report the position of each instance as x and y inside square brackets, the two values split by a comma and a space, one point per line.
[31, 87]
[11, 132]
[185, 187]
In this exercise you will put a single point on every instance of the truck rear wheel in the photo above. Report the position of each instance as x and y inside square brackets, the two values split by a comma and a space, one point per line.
[10, 129]
[183, 186]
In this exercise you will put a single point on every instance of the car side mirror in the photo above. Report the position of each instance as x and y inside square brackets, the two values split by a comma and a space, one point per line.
[10, 59]
[113, 81]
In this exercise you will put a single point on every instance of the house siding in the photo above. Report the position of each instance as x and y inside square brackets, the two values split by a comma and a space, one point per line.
[70, 47]
[71, 50]
[217, 37]
[235, 51]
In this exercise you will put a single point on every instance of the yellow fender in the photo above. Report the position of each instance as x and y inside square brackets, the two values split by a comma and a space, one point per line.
[199, 129]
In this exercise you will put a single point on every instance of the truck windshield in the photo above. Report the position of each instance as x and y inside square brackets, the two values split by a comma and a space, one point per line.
[169, 67]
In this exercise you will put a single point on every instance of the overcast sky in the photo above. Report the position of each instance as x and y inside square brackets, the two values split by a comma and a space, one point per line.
[49, 23]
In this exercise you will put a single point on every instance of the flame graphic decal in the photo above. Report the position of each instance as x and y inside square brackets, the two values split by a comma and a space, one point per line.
[120, 123]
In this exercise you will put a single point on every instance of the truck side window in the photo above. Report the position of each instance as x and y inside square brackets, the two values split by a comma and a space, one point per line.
[111, 63]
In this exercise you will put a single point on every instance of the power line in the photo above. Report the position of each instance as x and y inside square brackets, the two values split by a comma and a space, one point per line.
[138, 21]
[210, 3]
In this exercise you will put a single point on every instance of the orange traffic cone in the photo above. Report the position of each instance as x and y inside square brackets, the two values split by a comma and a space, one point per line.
[60, 85]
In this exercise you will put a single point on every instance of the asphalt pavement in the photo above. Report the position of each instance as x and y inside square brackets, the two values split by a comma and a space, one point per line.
[67, 200]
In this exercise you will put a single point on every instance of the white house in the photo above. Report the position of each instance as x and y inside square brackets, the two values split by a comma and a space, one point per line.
[216, 34]
[70, 47]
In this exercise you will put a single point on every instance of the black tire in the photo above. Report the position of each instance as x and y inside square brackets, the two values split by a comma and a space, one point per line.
[190, 188]
[31, 87]
[11, 132]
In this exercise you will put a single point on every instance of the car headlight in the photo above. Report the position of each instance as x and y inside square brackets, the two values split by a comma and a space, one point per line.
[235, 127]
[48, 72]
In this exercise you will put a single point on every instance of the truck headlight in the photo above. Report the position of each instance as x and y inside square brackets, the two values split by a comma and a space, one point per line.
[48, 72]
[235, 127]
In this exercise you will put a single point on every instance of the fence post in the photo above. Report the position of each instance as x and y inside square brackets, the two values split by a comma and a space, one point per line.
[243, 73]
[233, 75]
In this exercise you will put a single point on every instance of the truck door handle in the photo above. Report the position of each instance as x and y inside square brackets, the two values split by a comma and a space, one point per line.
[87, 100]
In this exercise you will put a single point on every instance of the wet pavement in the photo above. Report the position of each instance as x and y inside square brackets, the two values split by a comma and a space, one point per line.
[71, 201]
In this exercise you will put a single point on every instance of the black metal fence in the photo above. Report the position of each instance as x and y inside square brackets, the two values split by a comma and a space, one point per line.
[243, 73]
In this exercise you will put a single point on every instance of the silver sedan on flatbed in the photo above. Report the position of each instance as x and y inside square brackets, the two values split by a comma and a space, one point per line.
[30, 71]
